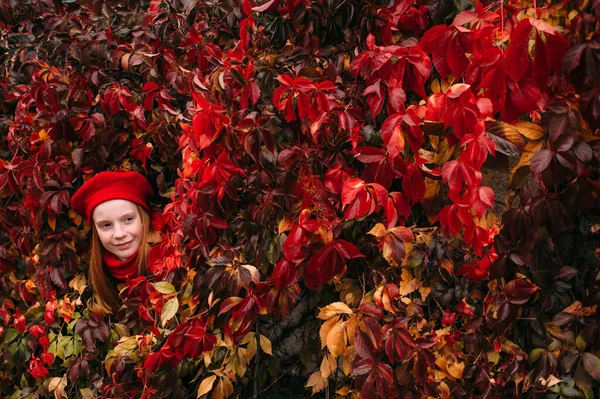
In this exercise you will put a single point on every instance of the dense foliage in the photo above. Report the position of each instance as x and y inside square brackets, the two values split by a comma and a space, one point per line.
[331, 176]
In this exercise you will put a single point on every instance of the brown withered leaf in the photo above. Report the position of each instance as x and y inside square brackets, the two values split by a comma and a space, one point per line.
[577, 309]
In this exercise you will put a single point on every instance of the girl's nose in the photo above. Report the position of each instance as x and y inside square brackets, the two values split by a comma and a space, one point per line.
[119, 231]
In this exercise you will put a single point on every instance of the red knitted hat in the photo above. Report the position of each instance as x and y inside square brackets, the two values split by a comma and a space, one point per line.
[106, 186]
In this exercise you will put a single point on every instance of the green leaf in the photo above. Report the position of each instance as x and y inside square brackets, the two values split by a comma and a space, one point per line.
[580, 343]
[11, 334]
[169, 310]
[535, 354]
[164, 288]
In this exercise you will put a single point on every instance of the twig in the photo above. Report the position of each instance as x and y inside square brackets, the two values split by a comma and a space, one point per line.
[278, 378]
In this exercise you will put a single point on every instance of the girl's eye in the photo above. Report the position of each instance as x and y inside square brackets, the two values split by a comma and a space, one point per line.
[129, 219]
[105, 226]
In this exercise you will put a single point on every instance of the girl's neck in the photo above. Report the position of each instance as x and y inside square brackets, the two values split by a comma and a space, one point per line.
[120, 269]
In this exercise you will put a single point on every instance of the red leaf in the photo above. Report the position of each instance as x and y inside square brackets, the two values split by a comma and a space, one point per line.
[150, 87]
[517, 54]
[324, 265]
[347, 249]
[392, 135]
[351, 189]
[284, 274]
[265, 6]
[482, 199]
[457, 60]
[293, 245]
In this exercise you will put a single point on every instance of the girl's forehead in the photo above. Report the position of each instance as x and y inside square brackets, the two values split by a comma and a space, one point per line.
[114, 209]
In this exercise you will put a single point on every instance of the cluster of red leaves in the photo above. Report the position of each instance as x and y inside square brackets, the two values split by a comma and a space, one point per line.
[341, 147]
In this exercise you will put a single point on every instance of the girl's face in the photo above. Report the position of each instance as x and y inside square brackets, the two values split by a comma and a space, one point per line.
[119, 227]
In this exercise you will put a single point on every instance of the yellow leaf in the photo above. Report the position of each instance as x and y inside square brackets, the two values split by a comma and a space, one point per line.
[325, 328]
[325, 368]
[285, 224]
[206, 385]
[505, 131]
[530, 130]
[337, 340]
[456, 370]
[334, 309]
[408, 284]
[86, 393]
[227, 387]
[443, 151]
[223, 389]
[493, 357]
[43, 135]
[265, 345]
[254, 273]
[58, 385]
[424, 291]
[348, 360]
[169, 310]
[534, 146]
[520, 170]
[52, 221]
[78, 283]
[343, 391]
[444, 390]
[447, 264]
[239, 362]
[164, 287]
[378, 230]
[350, 292]
[316, 382]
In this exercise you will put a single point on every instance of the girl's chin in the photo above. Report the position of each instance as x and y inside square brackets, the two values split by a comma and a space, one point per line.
[124, 253]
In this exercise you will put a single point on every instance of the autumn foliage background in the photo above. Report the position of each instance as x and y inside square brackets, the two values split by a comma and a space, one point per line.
[369, 199]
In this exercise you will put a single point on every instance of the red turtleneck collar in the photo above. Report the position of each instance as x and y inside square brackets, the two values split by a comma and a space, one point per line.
[120, 269]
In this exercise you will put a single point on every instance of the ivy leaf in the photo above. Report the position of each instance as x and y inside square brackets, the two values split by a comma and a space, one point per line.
[591, 363]
[517, 53]
[169, 310]
[265, 345]
[164, 287]
[540, 161]
[206, 385]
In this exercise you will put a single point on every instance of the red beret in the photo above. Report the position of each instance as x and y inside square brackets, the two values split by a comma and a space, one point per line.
[106, 186]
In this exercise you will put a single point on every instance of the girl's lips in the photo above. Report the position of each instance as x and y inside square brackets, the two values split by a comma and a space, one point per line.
[124, 245]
